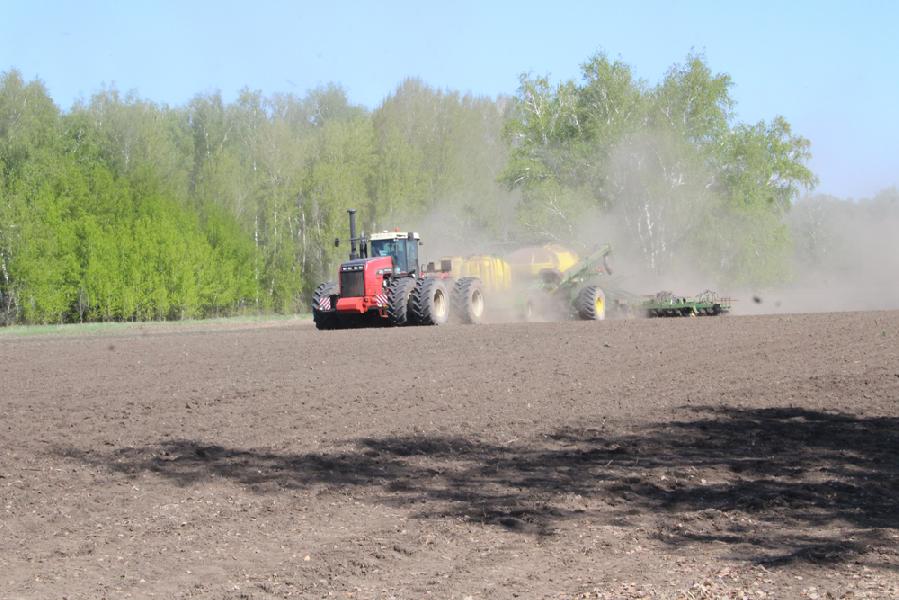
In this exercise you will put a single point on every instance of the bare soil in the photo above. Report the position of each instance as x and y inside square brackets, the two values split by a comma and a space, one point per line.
[734, 457]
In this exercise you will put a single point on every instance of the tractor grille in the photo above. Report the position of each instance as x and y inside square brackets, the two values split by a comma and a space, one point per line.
[352, 284]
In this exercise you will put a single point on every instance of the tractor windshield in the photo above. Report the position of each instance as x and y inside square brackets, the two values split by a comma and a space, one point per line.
[404, 257]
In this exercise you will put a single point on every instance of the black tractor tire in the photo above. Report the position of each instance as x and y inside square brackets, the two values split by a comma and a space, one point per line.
[468, 300]
[429, 303]
[398, 294]
[325, 318]
[590, 304]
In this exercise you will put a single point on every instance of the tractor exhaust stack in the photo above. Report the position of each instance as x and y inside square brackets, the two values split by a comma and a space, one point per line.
[353, 254]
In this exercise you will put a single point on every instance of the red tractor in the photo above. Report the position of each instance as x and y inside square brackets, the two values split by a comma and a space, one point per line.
[382, 284]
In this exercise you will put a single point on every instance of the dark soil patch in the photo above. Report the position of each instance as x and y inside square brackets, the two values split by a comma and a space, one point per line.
[666, 458]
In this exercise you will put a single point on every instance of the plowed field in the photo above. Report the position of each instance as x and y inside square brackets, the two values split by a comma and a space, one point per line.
[685, 458]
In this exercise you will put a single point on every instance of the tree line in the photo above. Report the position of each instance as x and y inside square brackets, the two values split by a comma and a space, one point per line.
[124, 209]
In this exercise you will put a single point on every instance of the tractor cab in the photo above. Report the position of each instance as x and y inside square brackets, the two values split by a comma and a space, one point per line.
[400, 245]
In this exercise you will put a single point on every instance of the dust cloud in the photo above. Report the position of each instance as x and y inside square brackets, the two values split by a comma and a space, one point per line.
[672, 231]
[843, 254]
[846, 257]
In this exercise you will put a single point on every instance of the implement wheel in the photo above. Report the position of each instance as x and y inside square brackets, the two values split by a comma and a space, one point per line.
[590, 304]
[323, 314]
[398, 300]
[429, 303]
[468, 300]
[536, 308]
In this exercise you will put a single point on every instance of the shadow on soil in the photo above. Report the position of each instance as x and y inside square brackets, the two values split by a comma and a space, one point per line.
[774, 485]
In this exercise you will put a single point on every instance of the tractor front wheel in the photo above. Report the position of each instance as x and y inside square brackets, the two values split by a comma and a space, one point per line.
[398, 300]
[323, 314]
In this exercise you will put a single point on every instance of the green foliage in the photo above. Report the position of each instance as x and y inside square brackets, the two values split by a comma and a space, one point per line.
[666, 163]
[122, 209]
[764, 166]
[96, 221]
[438, 156]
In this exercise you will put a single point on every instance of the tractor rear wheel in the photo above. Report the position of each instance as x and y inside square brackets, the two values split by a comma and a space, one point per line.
[429, 302]
[325, 315]
[468, 300]
[590, 304]
[398, 300]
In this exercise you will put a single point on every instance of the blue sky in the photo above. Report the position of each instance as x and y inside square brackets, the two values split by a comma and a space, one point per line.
[831, 68]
